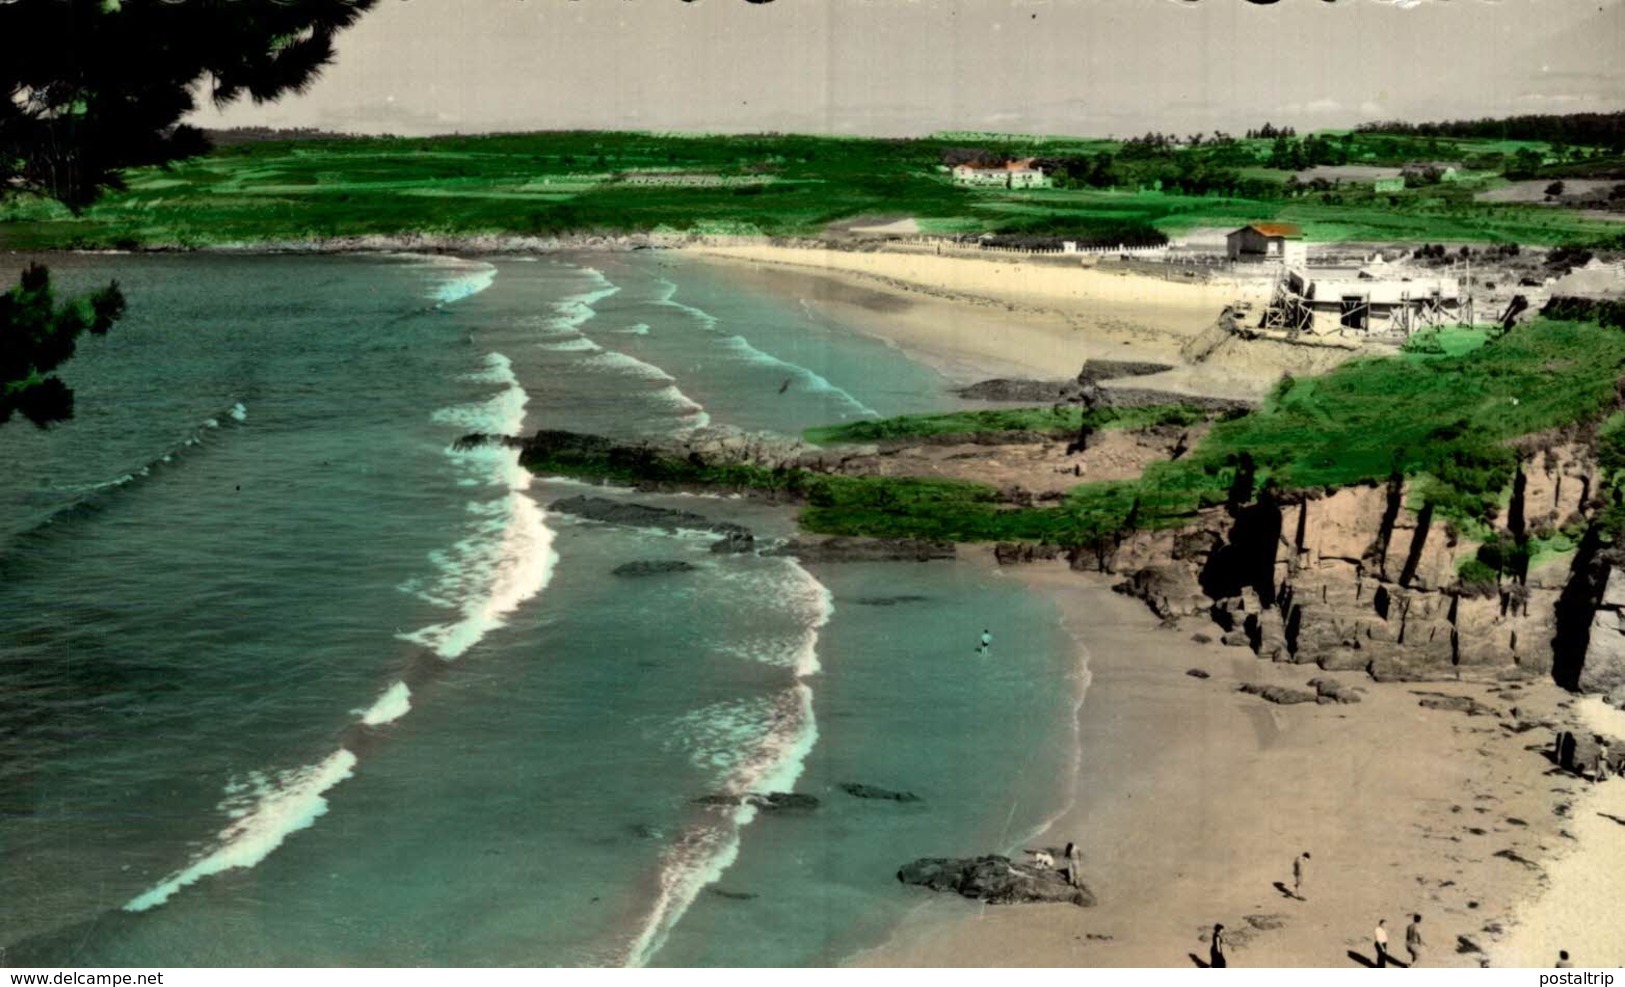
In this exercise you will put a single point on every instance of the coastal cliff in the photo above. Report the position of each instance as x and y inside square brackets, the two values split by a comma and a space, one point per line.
[1369, 578]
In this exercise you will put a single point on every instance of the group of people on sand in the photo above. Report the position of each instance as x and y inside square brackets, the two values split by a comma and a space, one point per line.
[1415, 945]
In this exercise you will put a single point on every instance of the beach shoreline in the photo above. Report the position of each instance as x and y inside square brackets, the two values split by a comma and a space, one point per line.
[1193, 799]
[1190, 798]
[975, 317]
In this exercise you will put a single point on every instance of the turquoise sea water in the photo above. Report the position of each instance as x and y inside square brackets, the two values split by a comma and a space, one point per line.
[286, 679]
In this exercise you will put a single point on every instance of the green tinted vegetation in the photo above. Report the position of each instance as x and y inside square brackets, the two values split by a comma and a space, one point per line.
[553, 183]
[1064, 420]
[1440, 418]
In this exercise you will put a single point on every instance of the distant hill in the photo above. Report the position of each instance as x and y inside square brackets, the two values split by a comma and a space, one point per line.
[257, 135]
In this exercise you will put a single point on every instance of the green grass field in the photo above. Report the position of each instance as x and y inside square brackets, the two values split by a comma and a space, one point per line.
[1048, 421]
[1440, 419]
[551, 183]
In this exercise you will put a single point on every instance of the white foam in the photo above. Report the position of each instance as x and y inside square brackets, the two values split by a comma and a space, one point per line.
[395, 703]
[264, 814]
[806, 604]
[238, 412]
[507, 556]
[742, 346]
[759, 753]
[471, 278]
[640, 329]
[573, 311]
[705, 851]
[580, 344]
[671, 395]
[699, 315]
[618, 362]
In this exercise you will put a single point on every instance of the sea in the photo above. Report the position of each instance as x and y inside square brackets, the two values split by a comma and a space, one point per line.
[290, 678]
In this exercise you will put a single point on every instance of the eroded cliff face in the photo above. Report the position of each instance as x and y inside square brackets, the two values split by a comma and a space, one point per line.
[1358, 580]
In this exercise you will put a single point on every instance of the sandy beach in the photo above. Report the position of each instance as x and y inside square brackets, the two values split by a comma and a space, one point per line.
[1013, 316]
[1193, 799]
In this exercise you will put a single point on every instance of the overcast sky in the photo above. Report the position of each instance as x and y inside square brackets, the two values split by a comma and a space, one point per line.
[904, 67]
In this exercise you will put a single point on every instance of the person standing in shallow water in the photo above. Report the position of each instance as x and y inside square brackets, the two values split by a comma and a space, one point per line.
[1215, 949]
[987, 642]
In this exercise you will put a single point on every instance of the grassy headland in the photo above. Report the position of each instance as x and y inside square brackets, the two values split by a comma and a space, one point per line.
[1054, 421]
[1440, 418]
[617, 182]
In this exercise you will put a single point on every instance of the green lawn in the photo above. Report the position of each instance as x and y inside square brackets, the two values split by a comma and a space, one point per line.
[551, 183]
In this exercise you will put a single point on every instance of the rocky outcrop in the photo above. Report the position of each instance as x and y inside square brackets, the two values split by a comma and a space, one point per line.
[1366, 579]
[1021, 390]
[768, 801]
[1329, 690]
[1278, 694]
[1603, 669]
[861, 791]
[1016, 553]
[652, 567]
[732, 537]
[995, 880]
[834, 550]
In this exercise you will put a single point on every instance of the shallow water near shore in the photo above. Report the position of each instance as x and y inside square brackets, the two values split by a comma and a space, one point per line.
[294, 681]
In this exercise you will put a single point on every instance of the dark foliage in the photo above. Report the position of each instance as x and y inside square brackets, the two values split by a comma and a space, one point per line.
[1589, 129]
[97, 86]
[37, 336]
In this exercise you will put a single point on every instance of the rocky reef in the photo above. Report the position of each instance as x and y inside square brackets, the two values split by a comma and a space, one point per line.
[995, 880]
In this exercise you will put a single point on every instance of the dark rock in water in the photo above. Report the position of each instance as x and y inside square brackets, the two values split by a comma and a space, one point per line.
[865, 550]
[1197, 673]
[735, 543]
[732, 895]
[1278, 694]
[652, 567]
[768, 802]
[480, 440]
[995, 880]
[737, 536]
[643, 831]
[861, 791]
[1017, 389]
[888, 601]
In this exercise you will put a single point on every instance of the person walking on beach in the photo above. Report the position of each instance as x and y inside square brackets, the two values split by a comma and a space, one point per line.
[987, 642]
[1300, 871]
[1413, 940]
[1600, 770]
[1215, 949]
[1563, 960]
[1074, 865]
[1381, 938]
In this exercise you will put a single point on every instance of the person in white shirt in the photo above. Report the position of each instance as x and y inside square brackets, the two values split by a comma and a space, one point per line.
[1382, 942]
